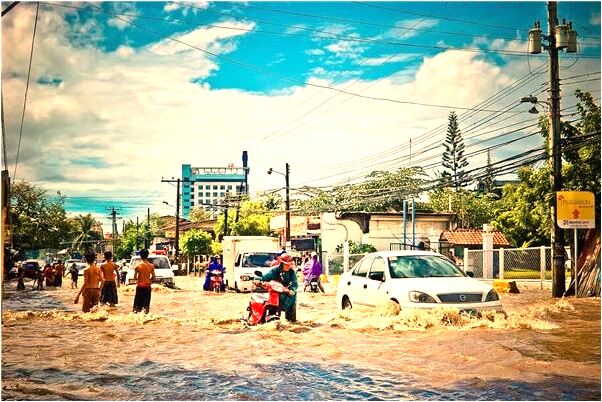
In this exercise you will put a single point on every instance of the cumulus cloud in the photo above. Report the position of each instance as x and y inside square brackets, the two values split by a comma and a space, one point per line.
[185, 7]
[135, 115]
[129, 12]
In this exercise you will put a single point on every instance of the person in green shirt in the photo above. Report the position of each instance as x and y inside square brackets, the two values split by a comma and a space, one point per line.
[285, 273]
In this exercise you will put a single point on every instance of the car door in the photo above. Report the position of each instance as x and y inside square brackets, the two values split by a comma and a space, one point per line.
[354, 280]
[359, 281]
[375, 292]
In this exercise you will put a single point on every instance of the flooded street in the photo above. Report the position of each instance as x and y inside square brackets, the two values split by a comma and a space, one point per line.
[193, 346]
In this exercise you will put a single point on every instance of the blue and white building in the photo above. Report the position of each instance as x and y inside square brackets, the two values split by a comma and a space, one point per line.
[206, 187]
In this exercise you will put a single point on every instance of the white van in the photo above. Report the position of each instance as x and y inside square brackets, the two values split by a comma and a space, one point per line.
[163, 270]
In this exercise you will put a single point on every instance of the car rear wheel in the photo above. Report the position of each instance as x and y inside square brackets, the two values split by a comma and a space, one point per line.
[346, 303]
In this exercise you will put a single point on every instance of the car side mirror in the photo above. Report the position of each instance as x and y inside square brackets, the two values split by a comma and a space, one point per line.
[377, 276]
[470, 273]
[258, 273]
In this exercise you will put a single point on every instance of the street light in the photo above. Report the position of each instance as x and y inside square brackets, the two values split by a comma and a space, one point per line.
[533, 99]
[287, 236]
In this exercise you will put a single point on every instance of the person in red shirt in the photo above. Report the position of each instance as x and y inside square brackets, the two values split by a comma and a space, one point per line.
[144, 274]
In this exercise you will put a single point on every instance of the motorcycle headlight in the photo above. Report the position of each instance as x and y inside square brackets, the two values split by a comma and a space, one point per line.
[492, 296]
[421, 297]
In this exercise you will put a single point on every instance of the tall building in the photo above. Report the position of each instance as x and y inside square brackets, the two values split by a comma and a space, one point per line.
[206, 187]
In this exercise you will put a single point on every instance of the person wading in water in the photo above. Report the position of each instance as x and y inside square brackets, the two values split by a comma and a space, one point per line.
[91, 288]
[110, 271]
[144, 275]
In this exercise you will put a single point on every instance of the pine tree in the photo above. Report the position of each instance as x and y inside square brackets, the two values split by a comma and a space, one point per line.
[453, 156]
[489, 175]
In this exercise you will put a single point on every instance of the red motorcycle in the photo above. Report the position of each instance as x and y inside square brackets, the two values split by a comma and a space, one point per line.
[264, 308]
[216, 280]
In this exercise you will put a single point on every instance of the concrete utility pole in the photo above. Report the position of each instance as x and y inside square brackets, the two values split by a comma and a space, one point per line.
[177, 242]
[147, 235]
[113, 216]
[558, 274]
[559, 37]
[288, 205]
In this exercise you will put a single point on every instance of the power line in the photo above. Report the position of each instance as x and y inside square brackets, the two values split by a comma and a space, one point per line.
[33, 39]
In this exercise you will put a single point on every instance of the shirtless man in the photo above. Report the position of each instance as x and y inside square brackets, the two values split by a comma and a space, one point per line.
[93, 279]
[144, 274]
[110, 271]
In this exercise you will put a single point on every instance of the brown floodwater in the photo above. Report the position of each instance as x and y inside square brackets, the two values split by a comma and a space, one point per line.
[192, 346]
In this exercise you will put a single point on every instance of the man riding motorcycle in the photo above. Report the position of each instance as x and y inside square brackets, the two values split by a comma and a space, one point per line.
[285, 273]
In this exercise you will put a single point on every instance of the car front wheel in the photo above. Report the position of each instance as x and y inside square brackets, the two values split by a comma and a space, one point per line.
[346, 303]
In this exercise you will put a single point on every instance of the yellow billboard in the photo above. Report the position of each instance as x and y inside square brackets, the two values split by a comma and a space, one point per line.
[575, 209]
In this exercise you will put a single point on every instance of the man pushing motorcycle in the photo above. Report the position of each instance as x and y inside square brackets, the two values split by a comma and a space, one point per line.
[285, 273]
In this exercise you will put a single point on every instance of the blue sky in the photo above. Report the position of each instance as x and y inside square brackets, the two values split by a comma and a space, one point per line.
[123, 93]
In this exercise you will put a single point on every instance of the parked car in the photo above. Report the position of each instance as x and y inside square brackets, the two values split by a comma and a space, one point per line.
[413, 279]
[31, 267]
[163, 269]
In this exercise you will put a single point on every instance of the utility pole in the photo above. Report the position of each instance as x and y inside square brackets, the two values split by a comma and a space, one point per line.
[148, 229]
[177, 241]
[558, 274]
[288, 205]
[559, 37]
[113, 216]
[137, 226]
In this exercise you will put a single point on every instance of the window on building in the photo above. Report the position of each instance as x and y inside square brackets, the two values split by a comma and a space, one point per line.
[215, 194]
[207, 187]
[229, 187]
[207, 194]
[222, 187]
[215, 187]
[221, 194]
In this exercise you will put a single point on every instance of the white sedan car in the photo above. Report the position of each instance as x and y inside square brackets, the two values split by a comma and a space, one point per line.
[413, 279]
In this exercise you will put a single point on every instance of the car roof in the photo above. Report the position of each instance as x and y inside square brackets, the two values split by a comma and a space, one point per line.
[401, 253]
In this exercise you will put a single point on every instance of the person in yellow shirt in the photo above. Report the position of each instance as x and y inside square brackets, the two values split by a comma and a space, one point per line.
[144, 274]
[90, 290]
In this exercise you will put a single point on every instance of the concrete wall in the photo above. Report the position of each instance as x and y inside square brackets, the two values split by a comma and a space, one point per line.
[334, 231]
[387, 229]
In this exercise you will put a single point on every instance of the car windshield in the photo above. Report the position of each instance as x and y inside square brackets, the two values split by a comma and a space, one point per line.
[158, 262]
[422, 266]
[31, 265]
[258, 259]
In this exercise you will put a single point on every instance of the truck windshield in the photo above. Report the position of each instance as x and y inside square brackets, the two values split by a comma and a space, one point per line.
[258, 259]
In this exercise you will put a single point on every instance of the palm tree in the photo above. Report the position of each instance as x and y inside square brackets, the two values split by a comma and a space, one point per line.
[84, 232]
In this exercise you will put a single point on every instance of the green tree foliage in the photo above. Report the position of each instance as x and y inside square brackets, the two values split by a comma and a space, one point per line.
[198, 214]
[453, 156]
[355, 248]
[487, 181]
[523, 212]
[195, 242]
[84, 233]
[37, 221]
[253, 219]
[472, 209]
[381, 191]
[216, 248]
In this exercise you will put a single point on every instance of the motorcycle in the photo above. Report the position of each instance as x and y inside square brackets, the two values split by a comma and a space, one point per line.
[314, 285]
[262, 308]
[216, 280]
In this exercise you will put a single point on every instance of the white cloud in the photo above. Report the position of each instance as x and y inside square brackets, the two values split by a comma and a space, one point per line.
[315, 52]
[409, 28]
[130, 13]
[397, 58]
[186, 6]
[296, 28]
[138, 114]
[595, 19]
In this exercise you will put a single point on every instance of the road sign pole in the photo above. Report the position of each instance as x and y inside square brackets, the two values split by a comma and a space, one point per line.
[576, 257]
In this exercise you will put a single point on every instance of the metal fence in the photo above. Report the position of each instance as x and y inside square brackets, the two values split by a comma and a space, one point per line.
[333, 263]
[516, 263]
